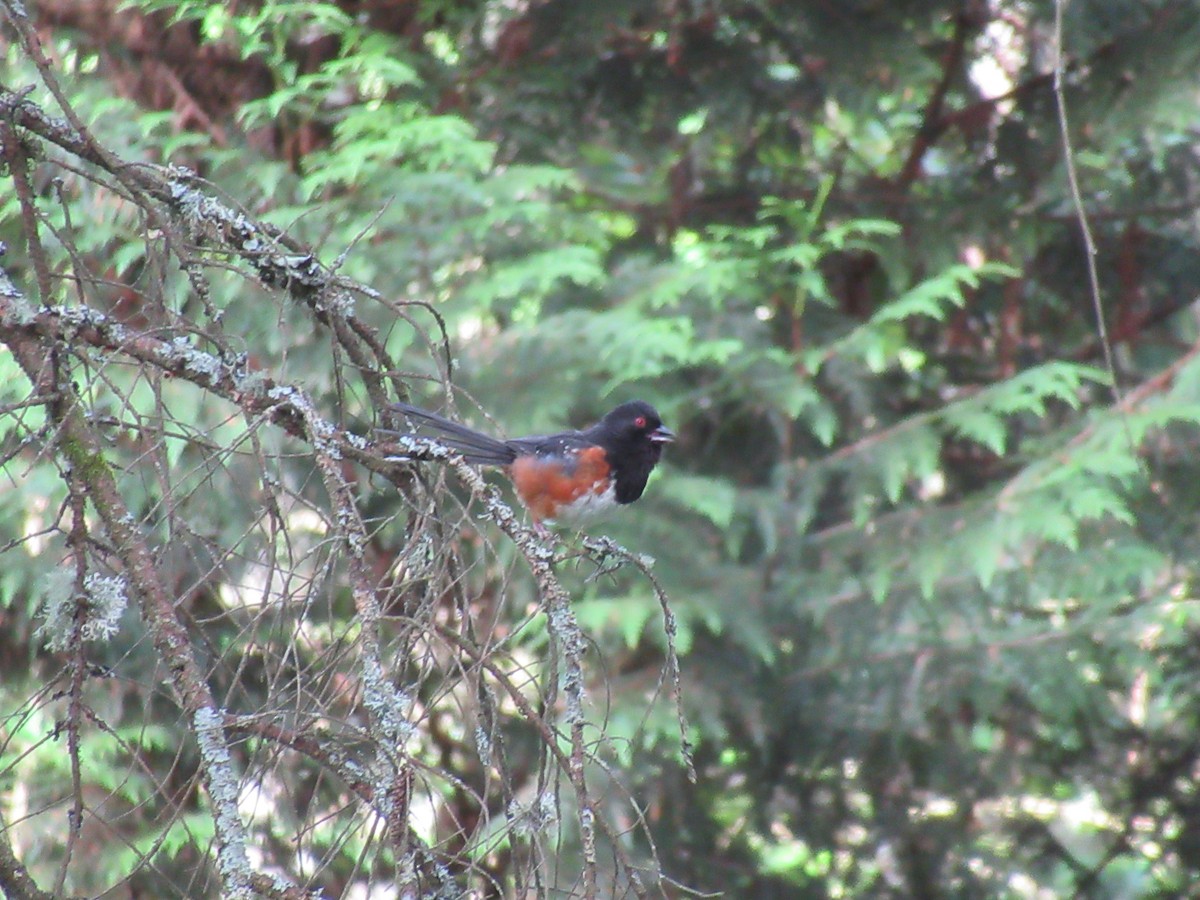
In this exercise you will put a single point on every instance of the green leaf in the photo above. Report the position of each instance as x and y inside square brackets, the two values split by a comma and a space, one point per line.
[712, 498]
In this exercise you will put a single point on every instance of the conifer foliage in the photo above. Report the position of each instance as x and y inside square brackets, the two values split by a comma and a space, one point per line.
[906, 612]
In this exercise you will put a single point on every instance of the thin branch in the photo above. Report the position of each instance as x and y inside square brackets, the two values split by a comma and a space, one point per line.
[83, 452]
[564, 629]
[15, 880]
[933, 123]
[17, 163]
[1085, 229]
[604, 548]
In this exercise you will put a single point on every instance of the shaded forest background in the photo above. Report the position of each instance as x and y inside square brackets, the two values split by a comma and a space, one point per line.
[925, 549]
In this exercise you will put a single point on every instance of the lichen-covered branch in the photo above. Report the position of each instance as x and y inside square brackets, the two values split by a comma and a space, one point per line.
[83, 455]
[54, 341]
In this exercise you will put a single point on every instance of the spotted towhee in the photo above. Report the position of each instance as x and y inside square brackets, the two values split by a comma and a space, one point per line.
[569, 474]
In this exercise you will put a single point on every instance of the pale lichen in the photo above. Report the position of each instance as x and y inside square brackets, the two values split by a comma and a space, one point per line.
[233, 863]
[95, 614]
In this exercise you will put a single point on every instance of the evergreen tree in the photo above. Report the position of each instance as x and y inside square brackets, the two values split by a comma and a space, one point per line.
[913, 281]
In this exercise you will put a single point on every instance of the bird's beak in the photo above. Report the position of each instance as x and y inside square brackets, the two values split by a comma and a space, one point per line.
[662, 435]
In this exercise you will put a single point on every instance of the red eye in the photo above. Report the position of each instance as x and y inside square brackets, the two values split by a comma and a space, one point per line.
[640, 421]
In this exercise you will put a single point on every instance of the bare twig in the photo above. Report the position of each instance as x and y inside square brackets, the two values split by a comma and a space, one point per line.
[933, 123]
[604, 548]
[84, 454]
[203, 233]
[1085, 229]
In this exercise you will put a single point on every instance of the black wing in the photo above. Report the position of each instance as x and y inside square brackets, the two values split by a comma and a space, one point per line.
[565, 444]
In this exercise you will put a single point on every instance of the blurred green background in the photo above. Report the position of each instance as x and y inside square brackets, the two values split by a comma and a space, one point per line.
[933, 579]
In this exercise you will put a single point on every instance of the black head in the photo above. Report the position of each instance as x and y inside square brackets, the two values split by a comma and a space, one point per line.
[633, 434]
[637, 421]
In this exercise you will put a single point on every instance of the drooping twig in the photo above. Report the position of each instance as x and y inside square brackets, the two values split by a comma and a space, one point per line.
[83, 453]
[604, 548]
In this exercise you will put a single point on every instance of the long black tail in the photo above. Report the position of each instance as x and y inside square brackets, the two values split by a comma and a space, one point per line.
[471, 445]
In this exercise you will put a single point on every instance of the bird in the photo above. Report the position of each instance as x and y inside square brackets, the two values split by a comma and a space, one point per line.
[568, 475]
